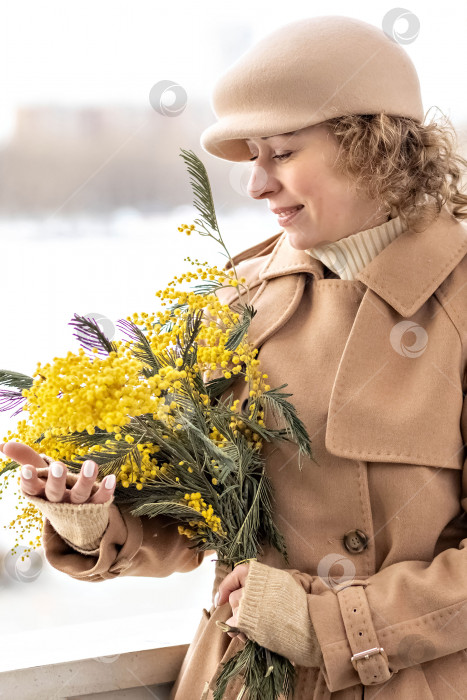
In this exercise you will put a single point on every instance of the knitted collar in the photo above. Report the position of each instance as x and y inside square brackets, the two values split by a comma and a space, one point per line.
[347, 256]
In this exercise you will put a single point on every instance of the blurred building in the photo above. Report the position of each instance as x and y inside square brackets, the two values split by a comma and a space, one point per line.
[98, 159]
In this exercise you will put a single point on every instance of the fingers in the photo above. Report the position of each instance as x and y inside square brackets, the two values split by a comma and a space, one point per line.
[23, 454]
[233, 622]
[55, 486]
[240, 635]
[30, 483]
[234, 599]
[106, 489]
[55, 491]
[234, 580]
[81, 491]
[231, 589]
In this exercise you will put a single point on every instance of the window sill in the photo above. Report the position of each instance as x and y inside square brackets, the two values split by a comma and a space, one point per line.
[140, 671]
[133, 652]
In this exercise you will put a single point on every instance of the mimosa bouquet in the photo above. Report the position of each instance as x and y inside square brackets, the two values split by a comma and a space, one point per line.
[148, 410]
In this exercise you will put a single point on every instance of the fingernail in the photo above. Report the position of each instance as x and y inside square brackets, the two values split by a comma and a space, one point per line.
[26, 472]
[225, 627]
[57, 469]
[216, 599]
[109, 481]
[88, 468]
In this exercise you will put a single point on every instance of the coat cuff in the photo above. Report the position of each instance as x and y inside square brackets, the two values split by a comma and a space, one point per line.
[273, 611]
[119, 544]
[108, 545]
[344, 627]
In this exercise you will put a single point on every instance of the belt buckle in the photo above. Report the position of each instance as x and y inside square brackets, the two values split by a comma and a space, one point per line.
[366, 654]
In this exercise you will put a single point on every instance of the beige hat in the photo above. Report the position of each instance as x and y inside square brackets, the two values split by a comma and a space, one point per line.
[306, 72]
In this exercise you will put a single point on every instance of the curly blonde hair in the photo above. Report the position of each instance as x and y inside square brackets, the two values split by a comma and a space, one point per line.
[402, 164]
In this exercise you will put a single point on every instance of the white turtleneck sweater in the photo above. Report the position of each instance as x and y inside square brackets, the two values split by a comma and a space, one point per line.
[347, 256]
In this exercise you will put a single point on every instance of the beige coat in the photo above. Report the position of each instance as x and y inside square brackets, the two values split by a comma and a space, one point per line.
[376, 528]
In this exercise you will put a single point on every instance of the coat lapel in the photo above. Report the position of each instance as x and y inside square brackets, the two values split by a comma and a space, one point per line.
[407, 272]
[277, 286]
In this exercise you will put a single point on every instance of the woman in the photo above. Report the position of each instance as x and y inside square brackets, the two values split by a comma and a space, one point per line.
[361, 305]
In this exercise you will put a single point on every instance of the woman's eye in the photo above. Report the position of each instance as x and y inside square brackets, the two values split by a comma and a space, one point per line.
[280, 157]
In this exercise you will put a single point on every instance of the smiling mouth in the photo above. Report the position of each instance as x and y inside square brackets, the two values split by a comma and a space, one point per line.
[287, 216]
[285, 210]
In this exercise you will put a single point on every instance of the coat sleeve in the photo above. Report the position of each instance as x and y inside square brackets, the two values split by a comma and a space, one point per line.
[115, 543]
[130, 546]
[408, 613]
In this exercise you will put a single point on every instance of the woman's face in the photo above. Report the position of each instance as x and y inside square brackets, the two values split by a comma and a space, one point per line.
[296, 169]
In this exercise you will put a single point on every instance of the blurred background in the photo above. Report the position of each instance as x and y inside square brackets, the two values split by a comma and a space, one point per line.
[97, 99]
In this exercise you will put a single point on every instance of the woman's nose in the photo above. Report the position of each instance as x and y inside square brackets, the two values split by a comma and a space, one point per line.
[260, 183]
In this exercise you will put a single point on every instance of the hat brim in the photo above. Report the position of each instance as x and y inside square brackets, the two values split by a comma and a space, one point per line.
[226, 138]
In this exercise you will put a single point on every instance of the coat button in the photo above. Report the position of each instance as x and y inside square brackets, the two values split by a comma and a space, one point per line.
[355, 541]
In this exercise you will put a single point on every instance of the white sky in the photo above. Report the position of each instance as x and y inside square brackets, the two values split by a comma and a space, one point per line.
[113, 51]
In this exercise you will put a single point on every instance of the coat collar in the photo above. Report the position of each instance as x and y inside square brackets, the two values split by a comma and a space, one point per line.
[406, 272]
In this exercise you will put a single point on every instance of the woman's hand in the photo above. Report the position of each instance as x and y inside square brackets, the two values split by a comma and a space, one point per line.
[231, 589]
[53, 487]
